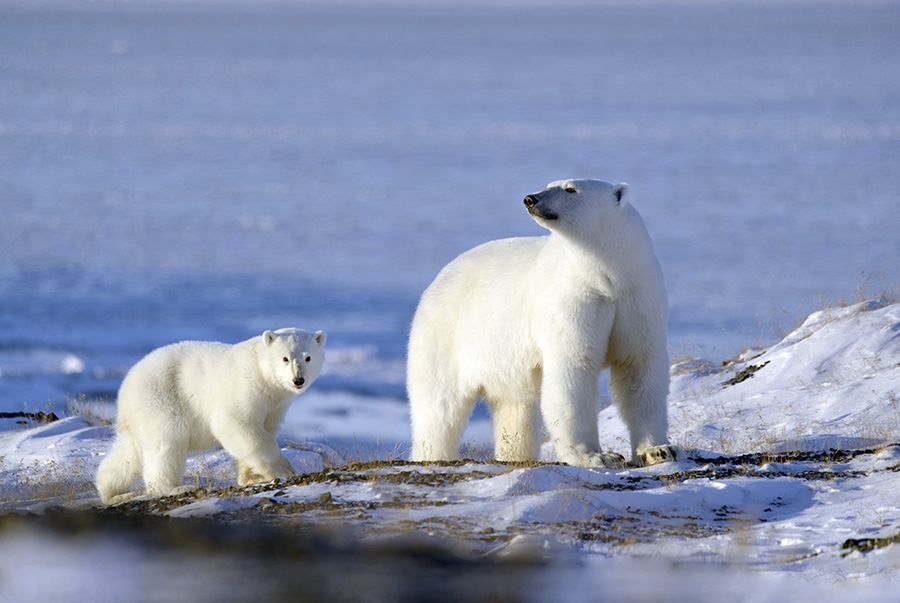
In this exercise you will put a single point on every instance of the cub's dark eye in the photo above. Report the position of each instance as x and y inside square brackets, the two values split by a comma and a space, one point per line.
[571, 189]
[286, 359]
[308, 358]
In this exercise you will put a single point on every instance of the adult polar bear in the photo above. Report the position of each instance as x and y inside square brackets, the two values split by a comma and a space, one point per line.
[193, 395]
[528, 324]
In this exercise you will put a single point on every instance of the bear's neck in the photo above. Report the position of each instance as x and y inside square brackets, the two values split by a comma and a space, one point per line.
[607, 270]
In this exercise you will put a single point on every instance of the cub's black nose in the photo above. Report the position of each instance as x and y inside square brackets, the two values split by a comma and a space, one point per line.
[530, 201]
[299, 381]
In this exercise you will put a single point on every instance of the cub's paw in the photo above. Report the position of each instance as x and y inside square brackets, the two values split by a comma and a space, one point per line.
[181, 490]
[120, 498]
[656, 455]
[247, 475]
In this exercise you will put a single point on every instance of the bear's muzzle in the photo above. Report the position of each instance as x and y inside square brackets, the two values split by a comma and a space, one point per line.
[532, 203]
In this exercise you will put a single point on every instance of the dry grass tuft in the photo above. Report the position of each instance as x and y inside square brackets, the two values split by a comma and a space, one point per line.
[56, 481]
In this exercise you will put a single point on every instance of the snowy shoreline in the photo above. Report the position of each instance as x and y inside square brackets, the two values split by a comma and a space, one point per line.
[789, 490]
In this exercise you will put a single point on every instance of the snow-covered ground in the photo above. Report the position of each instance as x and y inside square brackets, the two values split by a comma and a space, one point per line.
[789, 489]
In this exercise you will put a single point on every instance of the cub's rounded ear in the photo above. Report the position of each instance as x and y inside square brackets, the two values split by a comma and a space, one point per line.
[268, 337]
[621, 193]
[320, 337]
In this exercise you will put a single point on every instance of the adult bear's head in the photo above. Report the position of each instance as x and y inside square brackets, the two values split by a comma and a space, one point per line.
[568, 204]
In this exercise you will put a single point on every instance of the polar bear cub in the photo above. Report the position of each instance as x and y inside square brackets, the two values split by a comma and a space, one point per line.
[193, 395]
[528, 324]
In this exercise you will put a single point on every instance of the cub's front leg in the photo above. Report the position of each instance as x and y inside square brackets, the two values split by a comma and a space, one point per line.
[255, 451]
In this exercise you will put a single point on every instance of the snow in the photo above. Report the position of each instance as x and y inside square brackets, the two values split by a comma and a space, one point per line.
[145, 185]
[788, 489]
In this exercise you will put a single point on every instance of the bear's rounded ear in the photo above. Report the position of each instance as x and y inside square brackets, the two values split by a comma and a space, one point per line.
[320, 337]
[621, 193]
[268, 337]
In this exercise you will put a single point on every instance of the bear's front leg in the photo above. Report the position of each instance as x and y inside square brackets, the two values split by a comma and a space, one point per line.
[263, 465]
[569, 405]
[255, 451]
[641, 391]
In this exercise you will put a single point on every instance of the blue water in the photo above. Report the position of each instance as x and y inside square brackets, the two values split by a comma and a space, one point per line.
[212, 169]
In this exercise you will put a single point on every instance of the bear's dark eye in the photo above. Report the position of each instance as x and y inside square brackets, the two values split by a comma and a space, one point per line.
[571, 189]
[308, 358]
[286, 359]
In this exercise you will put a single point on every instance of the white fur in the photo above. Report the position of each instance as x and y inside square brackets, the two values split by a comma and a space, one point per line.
[528, 324]
[194, 395]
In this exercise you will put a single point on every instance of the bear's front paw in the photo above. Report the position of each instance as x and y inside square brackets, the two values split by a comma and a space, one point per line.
[612, 460]
[656, 455]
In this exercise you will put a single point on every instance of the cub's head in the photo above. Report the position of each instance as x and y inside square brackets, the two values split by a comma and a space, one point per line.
[292, 358]
[578, 205]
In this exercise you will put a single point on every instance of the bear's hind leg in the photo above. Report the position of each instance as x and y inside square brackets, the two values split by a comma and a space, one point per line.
[164, 467]
[517, 430]
[438, 426]
[119, 470]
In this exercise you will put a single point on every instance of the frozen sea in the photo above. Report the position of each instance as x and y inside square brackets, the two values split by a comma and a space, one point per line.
[208, 170]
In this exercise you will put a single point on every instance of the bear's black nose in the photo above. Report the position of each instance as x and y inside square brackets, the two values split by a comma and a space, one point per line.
[299, 381]
[530, 201]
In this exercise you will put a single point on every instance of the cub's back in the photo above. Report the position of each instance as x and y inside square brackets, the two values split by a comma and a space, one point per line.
[173, 367]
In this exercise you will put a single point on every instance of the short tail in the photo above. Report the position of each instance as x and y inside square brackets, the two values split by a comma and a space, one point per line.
[120, 468]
